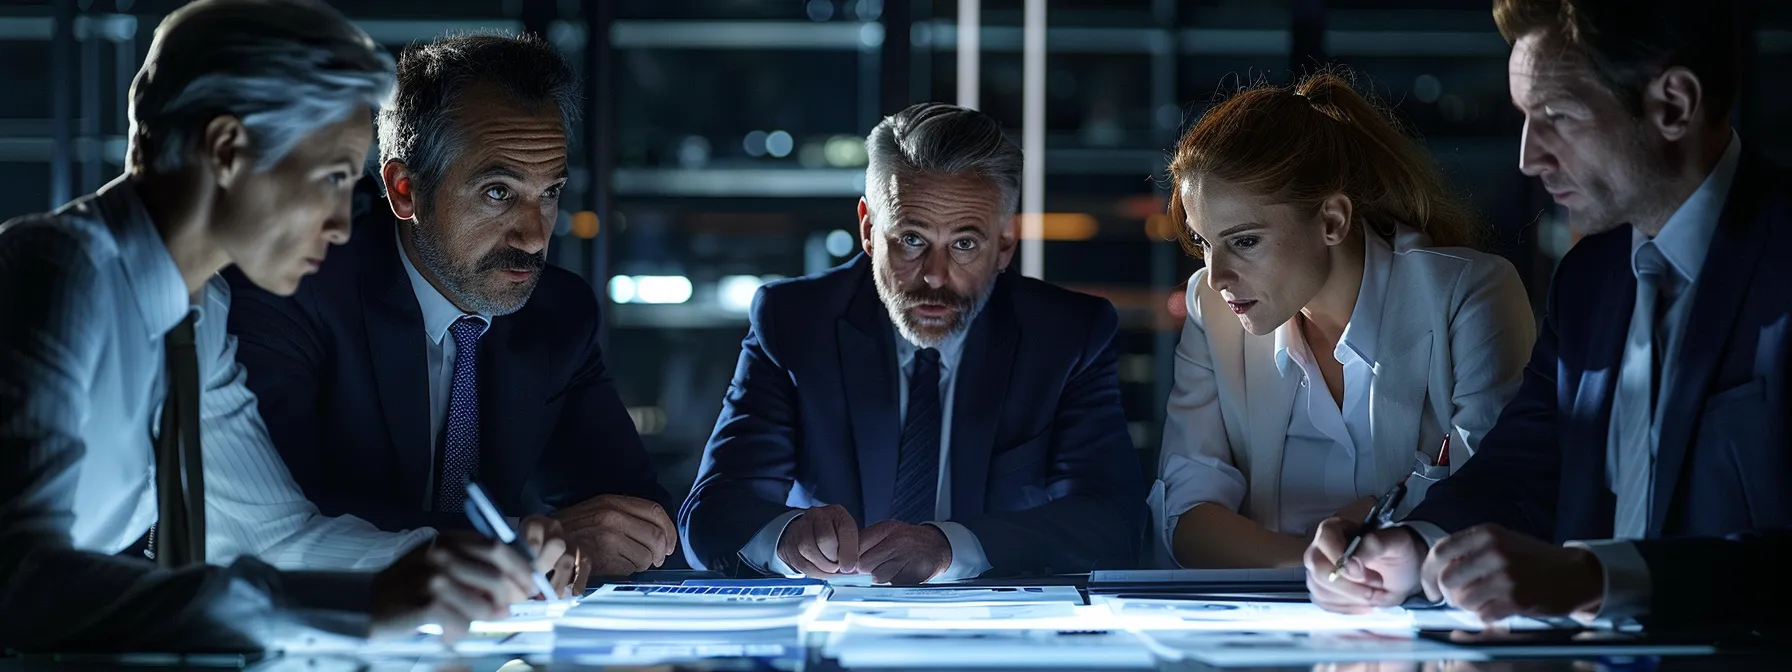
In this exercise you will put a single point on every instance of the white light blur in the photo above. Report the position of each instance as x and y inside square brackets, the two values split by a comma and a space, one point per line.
[1427, 88]
[622, 289]
[820, 10]
[754, 143]
[693, 152]
[838, 243]
[735, 292]
[430, 629]
[779, 144]
[871, 35]
[1032, 133]
[662, 289]
[970, 25]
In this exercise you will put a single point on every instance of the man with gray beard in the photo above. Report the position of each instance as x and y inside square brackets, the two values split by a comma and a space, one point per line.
[917, 414]
[439, 348]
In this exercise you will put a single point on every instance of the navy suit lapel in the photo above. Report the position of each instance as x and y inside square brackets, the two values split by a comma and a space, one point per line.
[979, 391]
[510, 401]
[1585, 507]
[394, 325]
[868, 371]
[1729, 266]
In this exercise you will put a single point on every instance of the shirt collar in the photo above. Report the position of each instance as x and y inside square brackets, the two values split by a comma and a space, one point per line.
[1686, 236]
[160, 291]
[438, 312]
[949, 350]
[1361, 334]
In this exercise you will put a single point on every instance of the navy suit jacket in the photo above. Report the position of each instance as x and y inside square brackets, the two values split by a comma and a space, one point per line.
[339, 370]
[1724, 461]
[1043, 470]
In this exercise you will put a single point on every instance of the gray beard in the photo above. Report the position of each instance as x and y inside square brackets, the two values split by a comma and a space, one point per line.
[893, 304]
[463, 288]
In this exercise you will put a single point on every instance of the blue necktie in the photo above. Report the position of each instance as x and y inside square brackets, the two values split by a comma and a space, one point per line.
[460, 434]
[918, 457]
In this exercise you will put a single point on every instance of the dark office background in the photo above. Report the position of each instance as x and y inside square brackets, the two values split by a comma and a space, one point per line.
[722, 141]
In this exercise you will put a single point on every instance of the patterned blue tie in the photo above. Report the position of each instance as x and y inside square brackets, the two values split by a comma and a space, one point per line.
[460, 434]
[918, 458]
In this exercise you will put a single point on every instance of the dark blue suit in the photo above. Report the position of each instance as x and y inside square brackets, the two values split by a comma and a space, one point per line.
[1724, 462]
[339, 370]
[1043, 470]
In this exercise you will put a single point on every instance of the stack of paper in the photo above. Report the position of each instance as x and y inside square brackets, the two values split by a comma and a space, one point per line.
[946, 608]
[1160, 614]
[650, 624]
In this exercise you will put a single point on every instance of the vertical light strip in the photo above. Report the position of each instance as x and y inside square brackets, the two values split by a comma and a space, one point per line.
[970, 72]
[1032, 142]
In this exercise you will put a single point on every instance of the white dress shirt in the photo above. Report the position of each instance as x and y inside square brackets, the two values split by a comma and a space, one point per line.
[1328, 459]
[1684, 240]
[438, 357]
[968, 557]
[88, 294]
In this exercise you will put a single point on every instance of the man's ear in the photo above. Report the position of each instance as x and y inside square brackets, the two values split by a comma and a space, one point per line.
[227, 152]
[865, 226]
[1007, 240]
[400, 189]
[1335, 216]
[1673, 101]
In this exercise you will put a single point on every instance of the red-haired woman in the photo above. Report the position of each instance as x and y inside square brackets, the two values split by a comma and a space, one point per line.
[1343, 327]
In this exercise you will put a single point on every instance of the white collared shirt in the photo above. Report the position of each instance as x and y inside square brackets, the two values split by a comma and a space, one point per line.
[90, 293]
[968, 557]
[1328, 459]
[438, 355]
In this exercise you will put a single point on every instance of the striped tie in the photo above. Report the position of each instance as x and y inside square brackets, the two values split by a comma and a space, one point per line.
[918, 459]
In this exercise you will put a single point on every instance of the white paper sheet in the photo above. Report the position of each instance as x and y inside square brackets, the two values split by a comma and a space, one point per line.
[1012, 649]
[955, 595]
[1197, 577]
[838, 617]
[1277, 648]
[1149, 614]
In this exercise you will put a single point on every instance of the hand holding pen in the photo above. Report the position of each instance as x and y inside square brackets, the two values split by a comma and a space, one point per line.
[1356, 566]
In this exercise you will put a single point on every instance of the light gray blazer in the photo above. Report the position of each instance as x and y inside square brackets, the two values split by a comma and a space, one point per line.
[1456, 331]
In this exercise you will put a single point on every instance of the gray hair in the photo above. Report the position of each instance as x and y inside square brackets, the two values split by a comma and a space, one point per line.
[936, 138]
[285, 68]
[419, 129]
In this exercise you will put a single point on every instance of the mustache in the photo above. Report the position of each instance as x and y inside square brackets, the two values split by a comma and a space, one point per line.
[511, 258]
[910, 298]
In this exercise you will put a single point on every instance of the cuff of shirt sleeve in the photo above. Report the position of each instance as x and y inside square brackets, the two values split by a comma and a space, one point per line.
[1627, 581]
[761, 552]
[968, 559]
[1427, 531]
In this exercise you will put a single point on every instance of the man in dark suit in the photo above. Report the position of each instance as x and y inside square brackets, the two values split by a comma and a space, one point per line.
[439, 348]
[973, 416]
[1644, 468]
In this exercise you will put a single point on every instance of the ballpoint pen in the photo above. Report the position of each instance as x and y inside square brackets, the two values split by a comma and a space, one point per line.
[490, 523]
[1382, 514]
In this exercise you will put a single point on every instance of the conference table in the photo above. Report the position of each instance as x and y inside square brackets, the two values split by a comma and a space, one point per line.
[1065, 647]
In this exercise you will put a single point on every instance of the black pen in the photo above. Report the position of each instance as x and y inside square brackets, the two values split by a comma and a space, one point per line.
[1382, 514]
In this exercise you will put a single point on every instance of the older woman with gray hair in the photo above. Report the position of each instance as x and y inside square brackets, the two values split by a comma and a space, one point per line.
[126, 431]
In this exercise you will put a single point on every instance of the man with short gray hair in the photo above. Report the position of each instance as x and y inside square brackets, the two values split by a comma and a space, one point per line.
[126, 430]
[917, 414]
